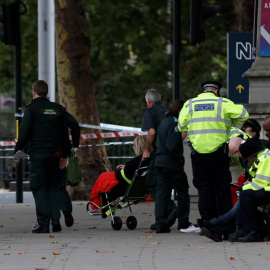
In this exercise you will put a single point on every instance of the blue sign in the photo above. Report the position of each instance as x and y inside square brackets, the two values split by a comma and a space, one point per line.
[240, 58]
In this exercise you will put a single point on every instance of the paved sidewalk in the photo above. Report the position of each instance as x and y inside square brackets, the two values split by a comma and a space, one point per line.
[92, 244]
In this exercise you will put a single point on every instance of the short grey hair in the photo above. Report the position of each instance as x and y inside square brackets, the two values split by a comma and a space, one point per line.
[153, 95]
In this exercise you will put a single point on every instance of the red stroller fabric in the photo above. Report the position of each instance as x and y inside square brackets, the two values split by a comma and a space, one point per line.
[104, 183]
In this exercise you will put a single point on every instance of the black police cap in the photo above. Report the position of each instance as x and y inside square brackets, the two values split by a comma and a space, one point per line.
[250, 148]
[213, 84]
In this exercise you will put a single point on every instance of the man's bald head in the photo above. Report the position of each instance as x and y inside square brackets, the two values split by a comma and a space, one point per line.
[234, 146]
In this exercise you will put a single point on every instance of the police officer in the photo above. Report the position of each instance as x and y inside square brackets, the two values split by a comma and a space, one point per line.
[153, 115]
[253, 194]
[45, 127]
[207, 119]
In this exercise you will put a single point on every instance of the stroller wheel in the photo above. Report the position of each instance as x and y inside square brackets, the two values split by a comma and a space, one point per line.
[131, 222]
[88, 207]
[116, 223]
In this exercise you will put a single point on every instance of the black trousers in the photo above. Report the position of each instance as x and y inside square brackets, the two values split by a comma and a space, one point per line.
[212, 178]
[248, 217]
[48, 185]
[151, 183]
[167, 179]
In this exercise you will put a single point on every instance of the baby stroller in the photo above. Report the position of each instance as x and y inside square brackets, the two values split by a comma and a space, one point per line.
[135, 193]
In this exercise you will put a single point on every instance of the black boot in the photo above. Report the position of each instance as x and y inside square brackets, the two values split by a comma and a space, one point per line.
[253, 236]
[56, 226]
[38, 229]
[69, 220]
[163, 230]
[211, 234]
[171, 218]
[237, 234]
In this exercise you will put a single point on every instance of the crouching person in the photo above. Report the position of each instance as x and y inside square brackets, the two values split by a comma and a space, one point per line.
[249, 220]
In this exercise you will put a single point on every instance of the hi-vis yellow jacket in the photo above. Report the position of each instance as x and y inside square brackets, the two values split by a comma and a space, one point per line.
[208, 120]
[260, 172]
[235, 132]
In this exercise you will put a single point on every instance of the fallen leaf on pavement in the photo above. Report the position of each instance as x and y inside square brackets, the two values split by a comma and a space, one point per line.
[202, 247]
[188, 245]
[43, 258]
[12, 218]
[148, 231]
[51, 236]
[90, 228]
[267, 243]
[21, 253]
[6, 253]
[232, 258]
[155, 243]
[104, 251]
[56, 253]
[1, 226]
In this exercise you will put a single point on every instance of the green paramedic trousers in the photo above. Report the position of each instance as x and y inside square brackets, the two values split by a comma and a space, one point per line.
[48, 185]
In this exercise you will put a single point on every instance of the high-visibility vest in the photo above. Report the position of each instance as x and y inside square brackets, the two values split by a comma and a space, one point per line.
[208, 120]
[260, 172]
[236, 132]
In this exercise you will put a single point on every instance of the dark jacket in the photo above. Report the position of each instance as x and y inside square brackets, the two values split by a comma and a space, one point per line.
[45, 127]
[169, 145]
[130, 167]
[151, 119]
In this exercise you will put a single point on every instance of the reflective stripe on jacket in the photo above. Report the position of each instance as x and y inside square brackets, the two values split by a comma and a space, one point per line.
[123, 175]
[208, 120]
[237, 132]
[260, 172]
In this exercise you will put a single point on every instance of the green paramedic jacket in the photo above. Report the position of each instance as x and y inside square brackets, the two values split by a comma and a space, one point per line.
[208, 120]
[44, 127]
[259, 170]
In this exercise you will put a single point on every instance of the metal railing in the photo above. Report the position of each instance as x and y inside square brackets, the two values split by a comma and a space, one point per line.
[117, 152]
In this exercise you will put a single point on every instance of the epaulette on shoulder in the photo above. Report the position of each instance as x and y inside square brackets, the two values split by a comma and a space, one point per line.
[28, 104]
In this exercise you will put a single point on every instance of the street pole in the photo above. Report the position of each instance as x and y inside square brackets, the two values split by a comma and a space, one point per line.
[46, 45]
[18, 106]
[176, 48]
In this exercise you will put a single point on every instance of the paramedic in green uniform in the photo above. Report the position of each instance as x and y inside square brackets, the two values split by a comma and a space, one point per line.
[153, 115]
[45, 127]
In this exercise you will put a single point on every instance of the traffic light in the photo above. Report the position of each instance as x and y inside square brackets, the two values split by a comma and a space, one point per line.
[199, 13]
[10, 19]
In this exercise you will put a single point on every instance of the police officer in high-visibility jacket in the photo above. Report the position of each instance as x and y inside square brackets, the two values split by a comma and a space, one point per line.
[253, 194]
[207, 119]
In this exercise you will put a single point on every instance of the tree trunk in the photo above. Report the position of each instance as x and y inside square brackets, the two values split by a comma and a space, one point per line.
[75, 86]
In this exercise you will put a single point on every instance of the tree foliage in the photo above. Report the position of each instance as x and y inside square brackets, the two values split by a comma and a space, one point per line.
[128, 52]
